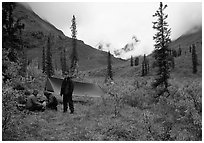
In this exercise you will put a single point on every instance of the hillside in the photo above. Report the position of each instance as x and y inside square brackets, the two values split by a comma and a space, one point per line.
[188, 39]
[183, 63]
[35, 37]
[128, 109]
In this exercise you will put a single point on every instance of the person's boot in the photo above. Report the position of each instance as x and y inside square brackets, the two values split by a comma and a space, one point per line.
[72, 112]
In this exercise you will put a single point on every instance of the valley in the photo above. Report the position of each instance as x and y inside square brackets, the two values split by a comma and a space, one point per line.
[130, 108]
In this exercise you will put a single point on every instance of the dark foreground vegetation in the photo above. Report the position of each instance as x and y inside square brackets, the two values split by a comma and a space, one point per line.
[130, 110]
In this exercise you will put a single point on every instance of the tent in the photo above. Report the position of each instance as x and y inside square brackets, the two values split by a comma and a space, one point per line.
[80, 88]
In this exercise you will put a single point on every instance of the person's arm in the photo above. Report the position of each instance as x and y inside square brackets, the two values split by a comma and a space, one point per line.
[72, 86]
[35, 101]
[51, 100]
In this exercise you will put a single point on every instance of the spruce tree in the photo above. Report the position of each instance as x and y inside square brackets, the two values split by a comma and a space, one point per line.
[136, 61]
[66, 69]
[173, 62]
[175, 53]
[143, 69]
[131, 61]
[43, 60]
[147, 63]
[63, 61]
[144, 66]
[11, 41]
[74, 55]
[162, 40]
[194, 59]
[23, 55]
[9, 27]
[49, 66]
[109, 67]
[179, 51]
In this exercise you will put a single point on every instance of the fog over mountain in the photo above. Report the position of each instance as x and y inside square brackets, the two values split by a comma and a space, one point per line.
[116, 22]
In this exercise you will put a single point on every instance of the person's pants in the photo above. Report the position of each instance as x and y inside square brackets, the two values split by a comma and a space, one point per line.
[52, 106]
[36, 108]
[68, 99]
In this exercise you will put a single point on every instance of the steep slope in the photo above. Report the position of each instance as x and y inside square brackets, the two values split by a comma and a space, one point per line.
[35, 35]
[184, 41]
[33, 22]
[183, 63]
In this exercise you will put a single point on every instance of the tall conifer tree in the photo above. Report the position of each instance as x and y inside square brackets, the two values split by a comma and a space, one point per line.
[63, 61]
[179, 51]
[194, 59]
[173, 62]
[136, 61]
[24, 59]
[131, 61]
[109, 67]
[74, 55]
[147, 65]
[162, 40]
[43, 60]
[49, 66]
[144, 66]
[11, 42]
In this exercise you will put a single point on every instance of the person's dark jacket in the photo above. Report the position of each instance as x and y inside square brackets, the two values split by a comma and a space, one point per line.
[67, 87]
[52, 101]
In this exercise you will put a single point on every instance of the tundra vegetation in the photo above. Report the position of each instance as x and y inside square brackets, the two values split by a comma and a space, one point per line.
[130, 109]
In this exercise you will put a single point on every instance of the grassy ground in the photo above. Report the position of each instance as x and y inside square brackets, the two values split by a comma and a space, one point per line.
[126, 112]
[94, 120]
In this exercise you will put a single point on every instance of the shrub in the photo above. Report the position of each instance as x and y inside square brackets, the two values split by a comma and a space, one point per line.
[8, 107]
[19, 87]
[180, 114]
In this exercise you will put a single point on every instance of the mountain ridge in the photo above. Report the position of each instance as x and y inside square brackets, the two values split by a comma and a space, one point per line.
[35, 36]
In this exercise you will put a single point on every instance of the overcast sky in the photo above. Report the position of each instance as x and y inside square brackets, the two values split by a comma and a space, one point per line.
[116, 23]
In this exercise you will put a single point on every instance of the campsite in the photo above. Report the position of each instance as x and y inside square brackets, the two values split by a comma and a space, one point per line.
[126, 94]
[81, 88]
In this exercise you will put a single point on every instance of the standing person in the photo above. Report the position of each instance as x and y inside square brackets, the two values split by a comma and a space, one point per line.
[67, 88]
[33, 104]
[51, 101]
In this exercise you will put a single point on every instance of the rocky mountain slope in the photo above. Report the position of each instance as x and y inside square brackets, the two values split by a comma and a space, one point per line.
[35, 35]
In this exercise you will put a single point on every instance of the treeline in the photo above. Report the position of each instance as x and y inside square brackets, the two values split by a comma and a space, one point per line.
[14, 48]
[172, 54]
[47, 64]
